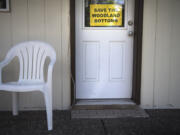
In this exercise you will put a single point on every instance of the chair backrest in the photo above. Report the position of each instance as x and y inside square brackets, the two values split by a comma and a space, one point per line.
[32, 56]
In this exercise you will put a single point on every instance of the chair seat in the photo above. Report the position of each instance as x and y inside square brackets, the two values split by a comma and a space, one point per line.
[22, 87]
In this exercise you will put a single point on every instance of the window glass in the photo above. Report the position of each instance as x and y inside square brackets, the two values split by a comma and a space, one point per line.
[104, 13]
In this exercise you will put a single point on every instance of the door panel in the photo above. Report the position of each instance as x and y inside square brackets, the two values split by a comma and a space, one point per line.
[90, 62]
[116, 69]
[103, 55]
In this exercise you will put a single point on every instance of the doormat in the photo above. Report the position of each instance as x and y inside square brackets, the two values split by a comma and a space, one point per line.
[134, 112]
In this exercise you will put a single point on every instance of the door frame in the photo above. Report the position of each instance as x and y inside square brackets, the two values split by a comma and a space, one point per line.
[137, 51]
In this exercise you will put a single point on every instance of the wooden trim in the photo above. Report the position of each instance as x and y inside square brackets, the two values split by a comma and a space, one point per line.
[72, 38]
[137, 53]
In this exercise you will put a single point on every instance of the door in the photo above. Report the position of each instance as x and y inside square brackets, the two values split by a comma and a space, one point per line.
[104, 48]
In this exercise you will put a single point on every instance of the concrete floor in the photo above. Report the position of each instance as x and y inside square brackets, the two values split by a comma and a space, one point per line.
[160, 122]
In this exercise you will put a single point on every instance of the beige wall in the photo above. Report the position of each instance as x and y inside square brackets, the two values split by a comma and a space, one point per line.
[46, 20]
[161, 54]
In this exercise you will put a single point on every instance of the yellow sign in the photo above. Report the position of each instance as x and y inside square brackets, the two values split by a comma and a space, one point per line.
[105, 15]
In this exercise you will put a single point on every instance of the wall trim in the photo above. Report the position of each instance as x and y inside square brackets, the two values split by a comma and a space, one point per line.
[137, 51]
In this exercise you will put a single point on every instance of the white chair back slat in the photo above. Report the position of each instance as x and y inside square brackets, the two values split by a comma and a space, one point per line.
[24, 62]
[21, 73]
[39, 63]
[35, 57]
[42, 65]
[32, 56]
[30, 61]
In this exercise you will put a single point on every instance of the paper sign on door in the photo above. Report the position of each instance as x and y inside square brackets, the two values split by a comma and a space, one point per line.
[106, 15]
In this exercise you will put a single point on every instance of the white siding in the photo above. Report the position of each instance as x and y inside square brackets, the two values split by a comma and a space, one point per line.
[161, 57]
[44, 20]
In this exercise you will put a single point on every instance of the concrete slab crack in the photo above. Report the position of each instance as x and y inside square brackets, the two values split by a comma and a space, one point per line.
[104, 127]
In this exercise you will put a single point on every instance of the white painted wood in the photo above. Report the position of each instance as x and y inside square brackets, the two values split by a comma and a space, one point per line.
[160, 74]
[53, 35]
[174, 94]
[148, 53]
[27, 82]
[91, 62]
[38, 20]
[116, 61]
[19, 21]
[103, 58]
[5, 45]
[66, 60]
[163, 52]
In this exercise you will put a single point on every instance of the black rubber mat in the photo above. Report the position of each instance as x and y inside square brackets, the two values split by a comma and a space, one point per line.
[132, 112]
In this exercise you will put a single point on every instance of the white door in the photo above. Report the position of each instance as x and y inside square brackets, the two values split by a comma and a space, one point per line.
[104, 48]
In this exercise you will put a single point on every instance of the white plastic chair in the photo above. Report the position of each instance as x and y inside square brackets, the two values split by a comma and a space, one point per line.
[32, 56]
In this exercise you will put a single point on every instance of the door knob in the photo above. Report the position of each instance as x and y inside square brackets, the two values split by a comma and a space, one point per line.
[130, 33]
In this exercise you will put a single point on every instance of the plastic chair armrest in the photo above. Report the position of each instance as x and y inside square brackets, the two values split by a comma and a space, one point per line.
[2, 65]
[49, 75]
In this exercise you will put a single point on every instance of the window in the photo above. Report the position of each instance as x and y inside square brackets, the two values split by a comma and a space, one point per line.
[104, 13]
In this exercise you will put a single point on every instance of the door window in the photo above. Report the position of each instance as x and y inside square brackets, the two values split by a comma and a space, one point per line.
[104, 13]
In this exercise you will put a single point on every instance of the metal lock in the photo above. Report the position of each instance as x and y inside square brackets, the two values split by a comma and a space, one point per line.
[130, 23]
[130, 33]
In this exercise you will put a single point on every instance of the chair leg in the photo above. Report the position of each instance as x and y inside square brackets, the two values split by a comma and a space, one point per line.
[48, 102]
[15, 103]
